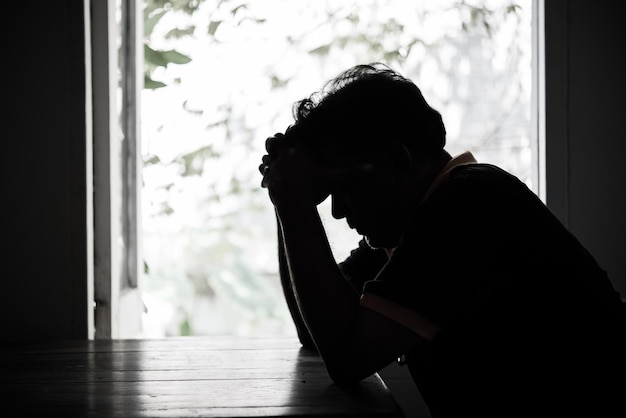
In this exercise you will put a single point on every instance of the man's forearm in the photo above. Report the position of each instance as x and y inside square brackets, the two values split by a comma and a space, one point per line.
[285, 280]
[326, 300]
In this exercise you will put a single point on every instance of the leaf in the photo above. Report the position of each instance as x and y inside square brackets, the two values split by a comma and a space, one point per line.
[152, 5]
[223, 122]
[513, 8]
[193, 162]
[150, 84]
[193, 111]
[165, 209]
[178, 33]
[236, 9]
[487, 27]
[278, 82]
[321, 50]
[213, 26]
[175, 57]
[153, 57]
[163, 58]
[151, 20]
[189, 6]
[151, 160]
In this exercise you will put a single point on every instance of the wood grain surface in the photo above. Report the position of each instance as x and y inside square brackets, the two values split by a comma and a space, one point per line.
[181, 377]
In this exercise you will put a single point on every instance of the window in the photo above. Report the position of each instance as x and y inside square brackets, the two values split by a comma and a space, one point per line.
[221, 76]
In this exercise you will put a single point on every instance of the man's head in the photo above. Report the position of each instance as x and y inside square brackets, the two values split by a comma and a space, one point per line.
[371, 114]
[363, 109]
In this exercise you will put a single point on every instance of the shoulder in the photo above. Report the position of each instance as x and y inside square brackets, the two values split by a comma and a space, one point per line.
[483, 185]
[482, 173]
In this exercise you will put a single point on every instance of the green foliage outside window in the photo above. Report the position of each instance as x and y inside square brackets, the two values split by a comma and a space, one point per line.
[209, 233]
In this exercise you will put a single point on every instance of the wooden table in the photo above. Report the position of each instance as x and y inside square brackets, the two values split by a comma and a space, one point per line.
[181, 377]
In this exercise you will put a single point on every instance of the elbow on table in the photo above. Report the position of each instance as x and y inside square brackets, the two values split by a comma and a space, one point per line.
[345, 372]
[345, 379]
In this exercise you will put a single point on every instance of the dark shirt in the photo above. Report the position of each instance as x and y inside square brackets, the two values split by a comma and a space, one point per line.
[527, 316]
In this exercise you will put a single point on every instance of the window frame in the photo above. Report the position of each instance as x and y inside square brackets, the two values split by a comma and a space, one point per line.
[116, 87]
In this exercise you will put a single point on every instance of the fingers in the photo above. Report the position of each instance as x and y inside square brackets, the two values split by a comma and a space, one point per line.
[266, 164]
[263, 168]
[273, 144]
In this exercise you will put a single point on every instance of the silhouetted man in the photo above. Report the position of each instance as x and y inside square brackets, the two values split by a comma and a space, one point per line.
[463, 272]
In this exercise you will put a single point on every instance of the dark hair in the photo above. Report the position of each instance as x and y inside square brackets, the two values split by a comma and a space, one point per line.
[364, 107]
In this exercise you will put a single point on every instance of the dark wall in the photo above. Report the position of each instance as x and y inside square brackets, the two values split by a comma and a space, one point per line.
[45, 293]
[585, 135]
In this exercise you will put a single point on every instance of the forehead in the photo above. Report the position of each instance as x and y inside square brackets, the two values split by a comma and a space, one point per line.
[333, 155]
[337, 148]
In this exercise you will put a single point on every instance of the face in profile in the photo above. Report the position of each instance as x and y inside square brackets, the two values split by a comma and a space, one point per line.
[373, 206]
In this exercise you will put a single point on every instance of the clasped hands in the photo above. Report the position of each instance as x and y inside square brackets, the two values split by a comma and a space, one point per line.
[295, 177]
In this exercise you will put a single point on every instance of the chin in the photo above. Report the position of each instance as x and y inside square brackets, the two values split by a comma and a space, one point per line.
[370, 244]
[378, 243]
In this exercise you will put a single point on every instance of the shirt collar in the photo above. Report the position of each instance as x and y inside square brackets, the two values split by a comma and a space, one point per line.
[458, 160]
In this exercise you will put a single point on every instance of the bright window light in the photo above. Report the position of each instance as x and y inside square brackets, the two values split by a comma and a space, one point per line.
[224, 77]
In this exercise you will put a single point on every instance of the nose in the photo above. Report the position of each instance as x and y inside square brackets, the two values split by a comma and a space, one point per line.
[339, 208]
